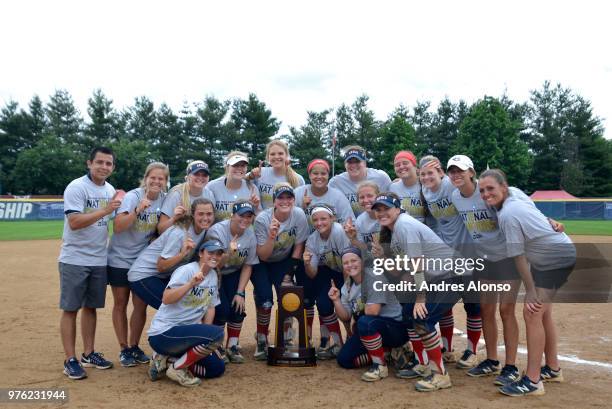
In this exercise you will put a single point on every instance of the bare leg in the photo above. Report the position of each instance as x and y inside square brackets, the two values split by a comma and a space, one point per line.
[121, 296]
[535, 341]
[68, 332]
[88, 329]
[489, 329]
[138, 319]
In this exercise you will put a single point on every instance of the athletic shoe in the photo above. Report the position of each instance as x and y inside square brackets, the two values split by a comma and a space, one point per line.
[433, 382]
[375, 373]
[235, 355]
[182, 376]
[548, 375]
[523, 387]
[413, 370]
[468, 360]
[126, 358]
[222, 354]
[139, 356]
[329, 352]
[401, 357]
[485, 368]
[449, 357]
[95, 360]
[261, 351]
[509, 374]
[73, 369]
[157, 366]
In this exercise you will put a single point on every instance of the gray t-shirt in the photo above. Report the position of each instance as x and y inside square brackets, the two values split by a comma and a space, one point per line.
[414, 239]
[247, 246]
[481, 223]
[125, 247]
[175, 198]
[167, 245]
[450, 225]
[193, 306]
[292, 231]
[367, 229]
[354, 301]
[333, 197]
[266, 183]
[86, 246]
[529, 232]
[343, 183]
[410, 197]
[224, 199]
[328, 252]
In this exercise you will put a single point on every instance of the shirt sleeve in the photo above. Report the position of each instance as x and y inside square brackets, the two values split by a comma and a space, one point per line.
[303, 230]
[261, 230]
[129, 203]
[173, 244]
[515, 240]
[170, 202]
[74, 199]
[180, 277]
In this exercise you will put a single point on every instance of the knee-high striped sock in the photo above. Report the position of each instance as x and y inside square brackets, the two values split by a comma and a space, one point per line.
[263, 322]
[233, 333]
[373, 343]
[324, 330]
[192, 355]
[474, 328]
[198, 370]
[362, 360]
[333, 326]
[310, 313]
[447, 325]
[417, 347]
[432, 345]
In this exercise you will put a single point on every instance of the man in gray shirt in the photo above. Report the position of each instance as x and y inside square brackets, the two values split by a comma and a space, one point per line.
[89, 202]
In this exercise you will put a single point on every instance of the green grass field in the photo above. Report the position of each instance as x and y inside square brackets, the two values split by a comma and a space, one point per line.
[41, 230]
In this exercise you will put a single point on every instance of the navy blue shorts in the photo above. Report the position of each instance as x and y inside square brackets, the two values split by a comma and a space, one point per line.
[551, 279]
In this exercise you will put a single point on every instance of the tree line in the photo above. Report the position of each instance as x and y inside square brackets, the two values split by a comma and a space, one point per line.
[552, 141]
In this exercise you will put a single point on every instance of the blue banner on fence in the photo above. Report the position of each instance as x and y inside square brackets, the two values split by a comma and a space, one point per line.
[31, 210]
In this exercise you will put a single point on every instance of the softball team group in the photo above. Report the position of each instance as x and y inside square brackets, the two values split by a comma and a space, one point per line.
[190, 254]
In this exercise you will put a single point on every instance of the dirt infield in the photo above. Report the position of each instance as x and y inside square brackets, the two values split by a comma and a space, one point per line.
[31, 357]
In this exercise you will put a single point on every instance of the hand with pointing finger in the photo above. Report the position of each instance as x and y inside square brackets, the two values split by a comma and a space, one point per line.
[334, 293]
[349, 229]
[306, 200]
[256, 172]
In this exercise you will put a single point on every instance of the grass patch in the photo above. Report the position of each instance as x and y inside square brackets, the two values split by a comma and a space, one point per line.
[590, 227]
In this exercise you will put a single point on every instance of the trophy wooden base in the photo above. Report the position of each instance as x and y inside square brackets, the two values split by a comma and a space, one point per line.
[292, 356]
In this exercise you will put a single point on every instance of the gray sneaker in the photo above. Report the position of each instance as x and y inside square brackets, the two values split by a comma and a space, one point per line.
[329, 352]
[235, 355]
[157, 366]
[182, 376]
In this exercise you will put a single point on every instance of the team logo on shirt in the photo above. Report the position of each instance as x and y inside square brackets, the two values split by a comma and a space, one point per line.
[265, 191]
[199, 297]
[477, 221]
[414, 206]
[369, 237]
[442, 208]
[236, 258]
[94, 203]
[223, 210]
[285, 239]
[146, 222]
[331, 259]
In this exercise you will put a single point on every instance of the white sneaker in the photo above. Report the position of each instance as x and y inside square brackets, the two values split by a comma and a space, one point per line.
[157, 366]
[375, 373]
[434, 382]
[182, 376]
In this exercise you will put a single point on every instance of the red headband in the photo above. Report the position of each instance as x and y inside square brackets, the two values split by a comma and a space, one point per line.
[409, 156]
[315, 162]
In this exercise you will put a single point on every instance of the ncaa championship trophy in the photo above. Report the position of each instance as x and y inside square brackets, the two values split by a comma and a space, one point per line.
[291, 305]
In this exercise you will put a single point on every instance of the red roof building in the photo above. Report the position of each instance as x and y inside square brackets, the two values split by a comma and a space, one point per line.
[552, 195]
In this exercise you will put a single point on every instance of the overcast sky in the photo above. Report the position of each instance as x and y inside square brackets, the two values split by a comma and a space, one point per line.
[307, 56]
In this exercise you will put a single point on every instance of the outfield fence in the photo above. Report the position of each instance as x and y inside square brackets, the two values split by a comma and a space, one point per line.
[52, 208]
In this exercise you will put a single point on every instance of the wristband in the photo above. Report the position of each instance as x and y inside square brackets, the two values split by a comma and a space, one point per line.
[241, 293]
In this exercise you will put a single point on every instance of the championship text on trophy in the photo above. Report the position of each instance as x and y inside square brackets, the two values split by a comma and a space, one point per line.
[291, 305]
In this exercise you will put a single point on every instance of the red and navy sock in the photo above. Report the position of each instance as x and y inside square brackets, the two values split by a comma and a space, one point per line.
[447, 326]
[417, 347]
[263, 322]
[433, 347]
[373, 343]
[474, 328]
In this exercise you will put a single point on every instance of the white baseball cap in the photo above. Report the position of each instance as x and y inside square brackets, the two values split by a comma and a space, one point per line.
[461, 161]
[234, 159]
